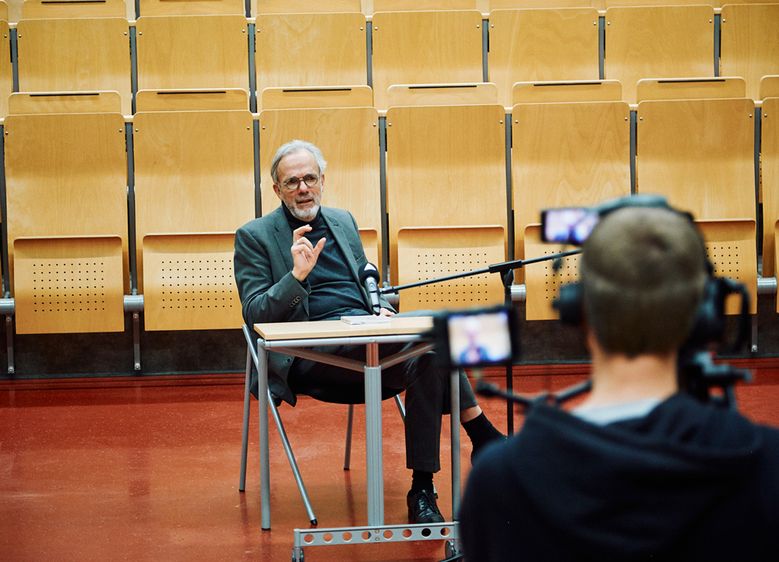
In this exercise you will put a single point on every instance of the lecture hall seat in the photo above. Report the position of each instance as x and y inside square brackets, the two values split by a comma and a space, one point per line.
[194, 186]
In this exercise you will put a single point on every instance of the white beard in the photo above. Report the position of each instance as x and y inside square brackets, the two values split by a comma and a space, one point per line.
[305, 215]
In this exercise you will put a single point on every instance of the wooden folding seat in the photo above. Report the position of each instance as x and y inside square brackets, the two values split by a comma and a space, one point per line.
[580, 90]
[731, 247]
[192, 7]
[431, 252]
[304, 6]
[542, 45]
[445, 168]
[433, 47]
[532, 4]
[542, 281]
[769, 87]
[690, 88]
[567, 154]
[66, 189]
[658, 42]
[191, 52]
[750, 43]
[699, 154]
[442, 94]
[425, 5]
[66, 47]
[311, 50]
[194, 186]
[317, 97]
[349, 138]
[770, 176]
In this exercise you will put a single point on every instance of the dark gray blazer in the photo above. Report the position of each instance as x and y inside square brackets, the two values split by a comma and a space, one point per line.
[269, 292]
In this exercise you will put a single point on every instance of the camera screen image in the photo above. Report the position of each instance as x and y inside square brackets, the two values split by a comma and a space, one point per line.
[480, 339]
[570, 225]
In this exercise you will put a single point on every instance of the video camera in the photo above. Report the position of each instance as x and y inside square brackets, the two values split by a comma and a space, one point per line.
[478, 337]
[697, 372]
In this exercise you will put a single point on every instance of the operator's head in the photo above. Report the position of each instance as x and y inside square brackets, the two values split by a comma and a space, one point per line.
[643, 272]
[298, 173]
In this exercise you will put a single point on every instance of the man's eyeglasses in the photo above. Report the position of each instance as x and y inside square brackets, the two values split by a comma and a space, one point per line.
[291, 184]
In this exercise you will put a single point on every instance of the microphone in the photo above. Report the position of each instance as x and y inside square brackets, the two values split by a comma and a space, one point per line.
[369, 278]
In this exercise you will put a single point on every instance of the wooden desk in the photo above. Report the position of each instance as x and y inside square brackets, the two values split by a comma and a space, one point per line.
[296, 339]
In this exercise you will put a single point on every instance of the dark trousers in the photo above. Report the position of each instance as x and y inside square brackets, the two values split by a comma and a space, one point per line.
[427, 394]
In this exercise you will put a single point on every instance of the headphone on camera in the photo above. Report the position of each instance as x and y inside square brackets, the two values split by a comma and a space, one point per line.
[710, 319]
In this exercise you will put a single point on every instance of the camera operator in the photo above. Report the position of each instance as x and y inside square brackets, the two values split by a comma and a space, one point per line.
[640, 470]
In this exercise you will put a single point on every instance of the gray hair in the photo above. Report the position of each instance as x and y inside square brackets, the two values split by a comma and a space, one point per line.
[295, 146]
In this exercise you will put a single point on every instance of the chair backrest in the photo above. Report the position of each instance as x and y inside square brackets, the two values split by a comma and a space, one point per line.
[542, 281]
[690, 88]
[445, 167]
[84, 52]
[317, 97]
[580, 90]
[699, 154]
[430, 252]
[192, 7]
[194, 186]
[434, 47]
[536, 45]
[311, 50]
[658, 42]
[442, 94]
[769, 87]
[770, 175]
[731, 247]
[348, 138]
[750, 43]
[66, 189]
[176, 52]
[567, 155]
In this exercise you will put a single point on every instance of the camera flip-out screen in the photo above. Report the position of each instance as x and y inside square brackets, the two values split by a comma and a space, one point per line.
[568, 225]
[475, 338]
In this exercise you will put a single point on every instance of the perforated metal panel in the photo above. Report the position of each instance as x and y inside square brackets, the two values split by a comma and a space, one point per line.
[68, 285]
[189, 283]
[428, 253]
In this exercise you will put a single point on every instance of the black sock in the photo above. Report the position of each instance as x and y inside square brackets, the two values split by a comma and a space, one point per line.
[481, 431]
[421, 480]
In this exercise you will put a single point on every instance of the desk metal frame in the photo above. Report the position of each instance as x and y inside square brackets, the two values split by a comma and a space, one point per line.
[372, 367]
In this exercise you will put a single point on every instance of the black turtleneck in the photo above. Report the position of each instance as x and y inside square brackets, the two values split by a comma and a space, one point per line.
[334, 292]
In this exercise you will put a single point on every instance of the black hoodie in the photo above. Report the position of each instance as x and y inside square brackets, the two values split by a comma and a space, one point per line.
[689, 481]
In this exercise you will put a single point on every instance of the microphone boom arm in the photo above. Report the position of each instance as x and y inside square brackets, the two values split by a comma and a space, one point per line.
[501, 267]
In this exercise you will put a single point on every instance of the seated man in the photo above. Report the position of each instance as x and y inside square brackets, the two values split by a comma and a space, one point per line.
[639, 471]
[301, 262]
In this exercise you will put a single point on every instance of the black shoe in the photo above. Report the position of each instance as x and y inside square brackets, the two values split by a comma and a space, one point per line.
[422, 507]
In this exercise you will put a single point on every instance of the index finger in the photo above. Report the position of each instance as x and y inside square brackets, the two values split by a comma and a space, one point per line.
[298, 233]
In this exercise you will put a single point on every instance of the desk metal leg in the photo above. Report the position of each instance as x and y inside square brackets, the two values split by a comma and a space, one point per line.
[373, 436]
[455, 423]
[262, 400]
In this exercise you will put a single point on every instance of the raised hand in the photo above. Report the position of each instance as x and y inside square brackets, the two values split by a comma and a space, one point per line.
[304, 253]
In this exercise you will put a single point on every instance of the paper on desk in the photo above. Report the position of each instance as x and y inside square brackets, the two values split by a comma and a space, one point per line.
[366, 319]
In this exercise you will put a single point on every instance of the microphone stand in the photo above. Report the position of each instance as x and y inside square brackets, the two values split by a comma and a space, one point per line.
[505, 269]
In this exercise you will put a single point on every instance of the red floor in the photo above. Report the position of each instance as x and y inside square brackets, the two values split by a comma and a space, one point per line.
[148, 470]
